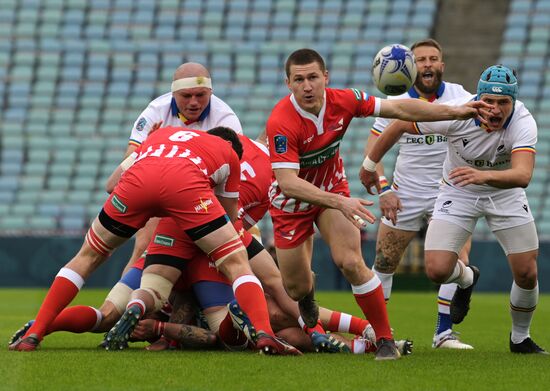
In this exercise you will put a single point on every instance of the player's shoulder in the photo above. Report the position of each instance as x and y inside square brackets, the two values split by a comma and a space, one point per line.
[219, 105]
[522, 113]
[282, 109]
[453, 90]
[162, 101]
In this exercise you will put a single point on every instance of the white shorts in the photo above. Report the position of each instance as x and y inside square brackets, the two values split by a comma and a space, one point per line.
[416, 209]
[503, 209]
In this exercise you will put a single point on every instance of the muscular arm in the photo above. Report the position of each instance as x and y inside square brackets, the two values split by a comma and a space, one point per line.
[389, 137]
[295, 187]
[519, 175]
[368, 148]
[231, 207]
[417, 110]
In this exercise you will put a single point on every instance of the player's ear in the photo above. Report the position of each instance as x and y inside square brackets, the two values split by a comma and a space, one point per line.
[287, 82]
[327, 79]
[442, 66]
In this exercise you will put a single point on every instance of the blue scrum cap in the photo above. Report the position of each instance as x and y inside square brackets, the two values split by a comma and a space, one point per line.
[498, 80]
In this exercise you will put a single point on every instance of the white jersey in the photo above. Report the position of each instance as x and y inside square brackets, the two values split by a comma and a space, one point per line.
[420, 159]
[164, 109]
[474, 146]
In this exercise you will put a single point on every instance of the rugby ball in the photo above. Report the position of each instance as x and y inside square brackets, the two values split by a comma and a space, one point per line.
[394, 69]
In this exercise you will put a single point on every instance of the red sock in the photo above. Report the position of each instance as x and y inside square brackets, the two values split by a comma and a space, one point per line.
[229, 335]
[346, 323]
[250, 296]
[318, 327]
[77, 319]
[374, 307]
[62, 291]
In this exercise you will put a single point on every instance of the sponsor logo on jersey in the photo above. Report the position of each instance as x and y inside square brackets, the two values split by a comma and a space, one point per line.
[429, 139]
[141, 124]
[525, 208]
[318, 157]
[118, 204]
[164, 240]
[337, 127]
[465, 142]
[280, 144]
[203, 205]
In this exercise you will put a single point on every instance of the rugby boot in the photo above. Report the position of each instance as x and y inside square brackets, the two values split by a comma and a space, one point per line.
[271, 345]
[460, 304]
[117, 338]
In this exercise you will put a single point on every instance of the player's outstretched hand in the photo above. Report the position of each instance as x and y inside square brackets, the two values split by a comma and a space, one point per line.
[370, 180]
[474, 109]
[462, 176]
[355, 211]
[390, 204]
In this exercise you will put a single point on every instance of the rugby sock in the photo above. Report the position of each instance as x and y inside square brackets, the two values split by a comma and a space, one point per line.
[250, 296]
[446, 292]
[370, 298]
[346, 323]
[522, 305]
[229, 335]
[77, 319]
[360, 346]
[387, 282]
[462, 275]
[64, 288]
[139, 303]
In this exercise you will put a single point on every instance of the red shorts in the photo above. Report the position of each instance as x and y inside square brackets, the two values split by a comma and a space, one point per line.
[155, 188]
[169, 239]
[292, 229]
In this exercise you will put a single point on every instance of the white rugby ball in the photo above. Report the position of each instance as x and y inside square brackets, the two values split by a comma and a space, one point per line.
[394, 69]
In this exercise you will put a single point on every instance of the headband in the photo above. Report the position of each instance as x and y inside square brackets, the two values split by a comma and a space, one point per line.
[191, 82]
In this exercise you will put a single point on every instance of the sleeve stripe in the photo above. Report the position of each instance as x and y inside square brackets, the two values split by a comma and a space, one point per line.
[415, 125]
[524, 149]
[134, 142]
[285, 165]
[377, 105]
[375, 131]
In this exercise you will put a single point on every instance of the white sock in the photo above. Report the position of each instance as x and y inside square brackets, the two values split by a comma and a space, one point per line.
[445, 295]
[386, 279]
[522, 305]
[462, 275]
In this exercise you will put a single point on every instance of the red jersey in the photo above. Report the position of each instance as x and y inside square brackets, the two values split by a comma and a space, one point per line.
[255, 181]
[213, 155]
[302, 141]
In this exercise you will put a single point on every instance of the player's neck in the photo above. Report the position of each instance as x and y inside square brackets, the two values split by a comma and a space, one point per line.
[424, 95]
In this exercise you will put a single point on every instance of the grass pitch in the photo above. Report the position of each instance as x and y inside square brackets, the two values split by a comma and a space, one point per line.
[72, 361]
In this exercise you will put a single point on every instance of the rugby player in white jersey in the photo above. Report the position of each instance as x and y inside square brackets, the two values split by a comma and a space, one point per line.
[190, 103]
[484, 175]
[408, 203]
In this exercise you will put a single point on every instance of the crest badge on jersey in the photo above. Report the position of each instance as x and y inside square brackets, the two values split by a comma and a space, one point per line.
[141, 124]
[280, 144]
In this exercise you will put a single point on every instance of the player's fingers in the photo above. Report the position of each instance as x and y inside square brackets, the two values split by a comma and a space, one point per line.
[365, 202]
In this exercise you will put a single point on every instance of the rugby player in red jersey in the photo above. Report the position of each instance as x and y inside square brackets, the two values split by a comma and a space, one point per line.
[192, 177]
[304, 132]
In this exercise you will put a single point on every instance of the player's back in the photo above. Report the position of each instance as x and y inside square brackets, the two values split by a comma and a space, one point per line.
[255, 178]
[208, 152]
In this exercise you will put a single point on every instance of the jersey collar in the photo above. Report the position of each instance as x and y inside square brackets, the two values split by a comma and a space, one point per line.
[317, 120]
[414, 94]
[176, 112]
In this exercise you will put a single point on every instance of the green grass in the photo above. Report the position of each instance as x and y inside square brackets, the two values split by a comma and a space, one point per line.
[72, 362]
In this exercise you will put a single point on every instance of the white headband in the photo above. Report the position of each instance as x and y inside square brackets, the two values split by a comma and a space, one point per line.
[191, 82]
